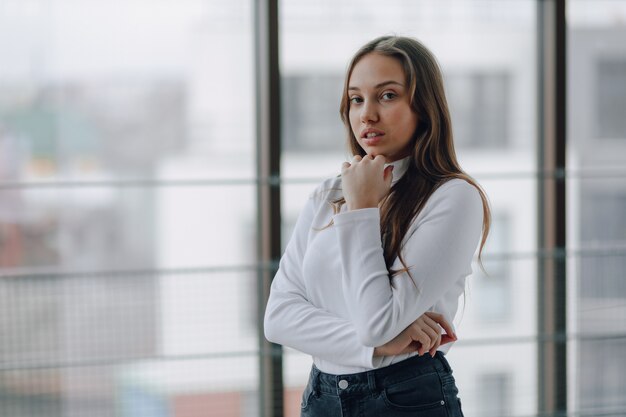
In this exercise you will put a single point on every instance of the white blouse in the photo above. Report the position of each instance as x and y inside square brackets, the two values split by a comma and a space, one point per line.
[332, 298]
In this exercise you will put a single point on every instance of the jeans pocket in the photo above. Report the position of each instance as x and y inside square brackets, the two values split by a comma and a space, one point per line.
[422, 393]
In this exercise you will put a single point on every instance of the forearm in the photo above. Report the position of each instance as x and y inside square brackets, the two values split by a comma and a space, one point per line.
[294, 322]
[438, 253]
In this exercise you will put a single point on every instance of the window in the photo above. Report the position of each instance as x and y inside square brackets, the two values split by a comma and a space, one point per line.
[596, 203]
[494, 396]
[602, 288]
[611, 97]
[494, 292]
[479, 103]
[311, 113]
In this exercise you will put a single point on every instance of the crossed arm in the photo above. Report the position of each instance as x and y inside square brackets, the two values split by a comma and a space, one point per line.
[437, 251]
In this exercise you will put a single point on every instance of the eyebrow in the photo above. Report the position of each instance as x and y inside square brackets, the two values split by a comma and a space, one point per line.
[384, 83]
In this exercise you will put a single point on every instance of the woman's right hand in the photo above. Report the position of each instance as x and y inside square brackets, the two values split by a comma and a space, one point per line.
[423, 335]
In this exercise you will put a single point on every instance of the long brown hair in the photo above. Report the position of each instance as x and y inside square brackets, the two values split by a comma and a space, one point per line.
[433, 159]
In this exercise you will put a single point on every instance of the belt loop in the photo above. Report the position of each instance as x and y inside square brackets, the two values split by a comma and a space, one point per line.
[371, 381]
[444, 361]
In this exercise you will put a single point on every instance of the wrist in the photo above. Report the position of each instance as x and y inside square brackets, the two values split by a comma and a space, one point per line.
[381, 351]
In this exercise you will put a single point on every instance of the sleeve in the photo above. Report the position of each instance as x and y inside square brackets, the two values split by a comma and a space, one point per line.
[438, 252]
[291, 320]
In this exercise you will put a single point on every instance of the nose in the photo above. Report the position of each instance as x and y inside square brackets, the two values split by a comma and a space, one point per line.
[369, 112]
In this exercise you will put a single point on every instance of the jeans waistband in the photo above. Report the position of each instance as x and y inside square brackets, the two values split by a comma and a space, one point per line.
[375, 380]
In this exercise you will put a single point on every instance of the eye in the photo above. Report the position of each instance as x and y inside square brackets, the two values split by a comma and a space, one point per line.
[389, 96]
[356, 100]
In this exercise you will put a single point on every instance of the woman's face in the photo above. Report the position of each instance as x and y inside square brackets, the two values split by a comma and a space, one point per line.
[381, 116]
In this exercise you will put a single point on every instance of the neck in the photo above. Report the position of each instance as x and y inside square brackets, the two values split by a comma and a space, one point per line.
[400, 167]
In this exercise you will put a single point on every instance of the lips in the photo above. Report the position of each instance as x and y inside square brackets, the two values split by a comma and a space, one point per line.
[372, 141]
[372, 136]
[371, 132]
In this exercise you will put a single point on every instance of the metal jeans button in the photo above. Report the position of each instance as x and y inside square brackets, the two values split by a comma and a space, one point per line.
[343, 384]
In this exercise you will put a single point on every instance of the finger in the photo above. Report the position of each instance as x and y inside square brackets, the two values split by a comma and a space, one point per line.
[441, 320]
[432, 333]
[440, 340]
[412, 347]
[345, 166]
[380, 159]
[366, 159]
[424, 340]
[432, 323]
[433, 349]
[447, 339]
[356, 159]
[415, 332]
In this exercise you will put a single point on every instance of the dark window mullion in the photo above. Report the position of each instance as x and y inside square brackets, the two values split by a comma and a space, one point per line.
[268, 194]
[552, 352]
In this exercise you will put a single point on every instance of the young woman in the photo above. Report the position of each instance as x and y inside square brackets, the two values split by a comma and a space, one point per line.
[380, 254]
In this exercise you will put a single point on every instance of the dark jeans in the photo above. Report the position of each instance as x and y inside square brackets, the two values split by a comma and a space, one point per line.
[421, 386]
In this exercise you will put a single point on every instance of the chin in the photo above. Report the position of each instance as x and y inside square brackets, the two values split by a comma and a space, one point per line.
[374, 152]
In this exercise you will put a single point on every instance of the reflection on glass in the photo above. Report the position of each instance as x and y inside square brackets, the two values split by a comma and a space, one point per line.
[493, 285]
[487, 51]
[611, 97]
[191, 388]
[495, 391]
[496, 387]
[596, 205]
[480, 103]
[130, 98]
[310, 113]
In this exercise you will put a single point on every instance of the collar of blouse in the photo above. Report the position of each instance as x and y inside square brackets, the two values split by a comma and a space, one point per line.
[399, 168]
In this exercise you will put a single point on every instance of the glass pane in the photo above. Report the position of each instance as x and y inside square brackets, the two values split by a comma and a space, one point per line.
[133, 293]
[297, 368]
[596, 205]
[203, 312]
[190, 388]
[64, 324]
[495, 322]
[487, 51]
[82, 107]
[490, 383]
[296, 365]
[207, 226]
[117, 228]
